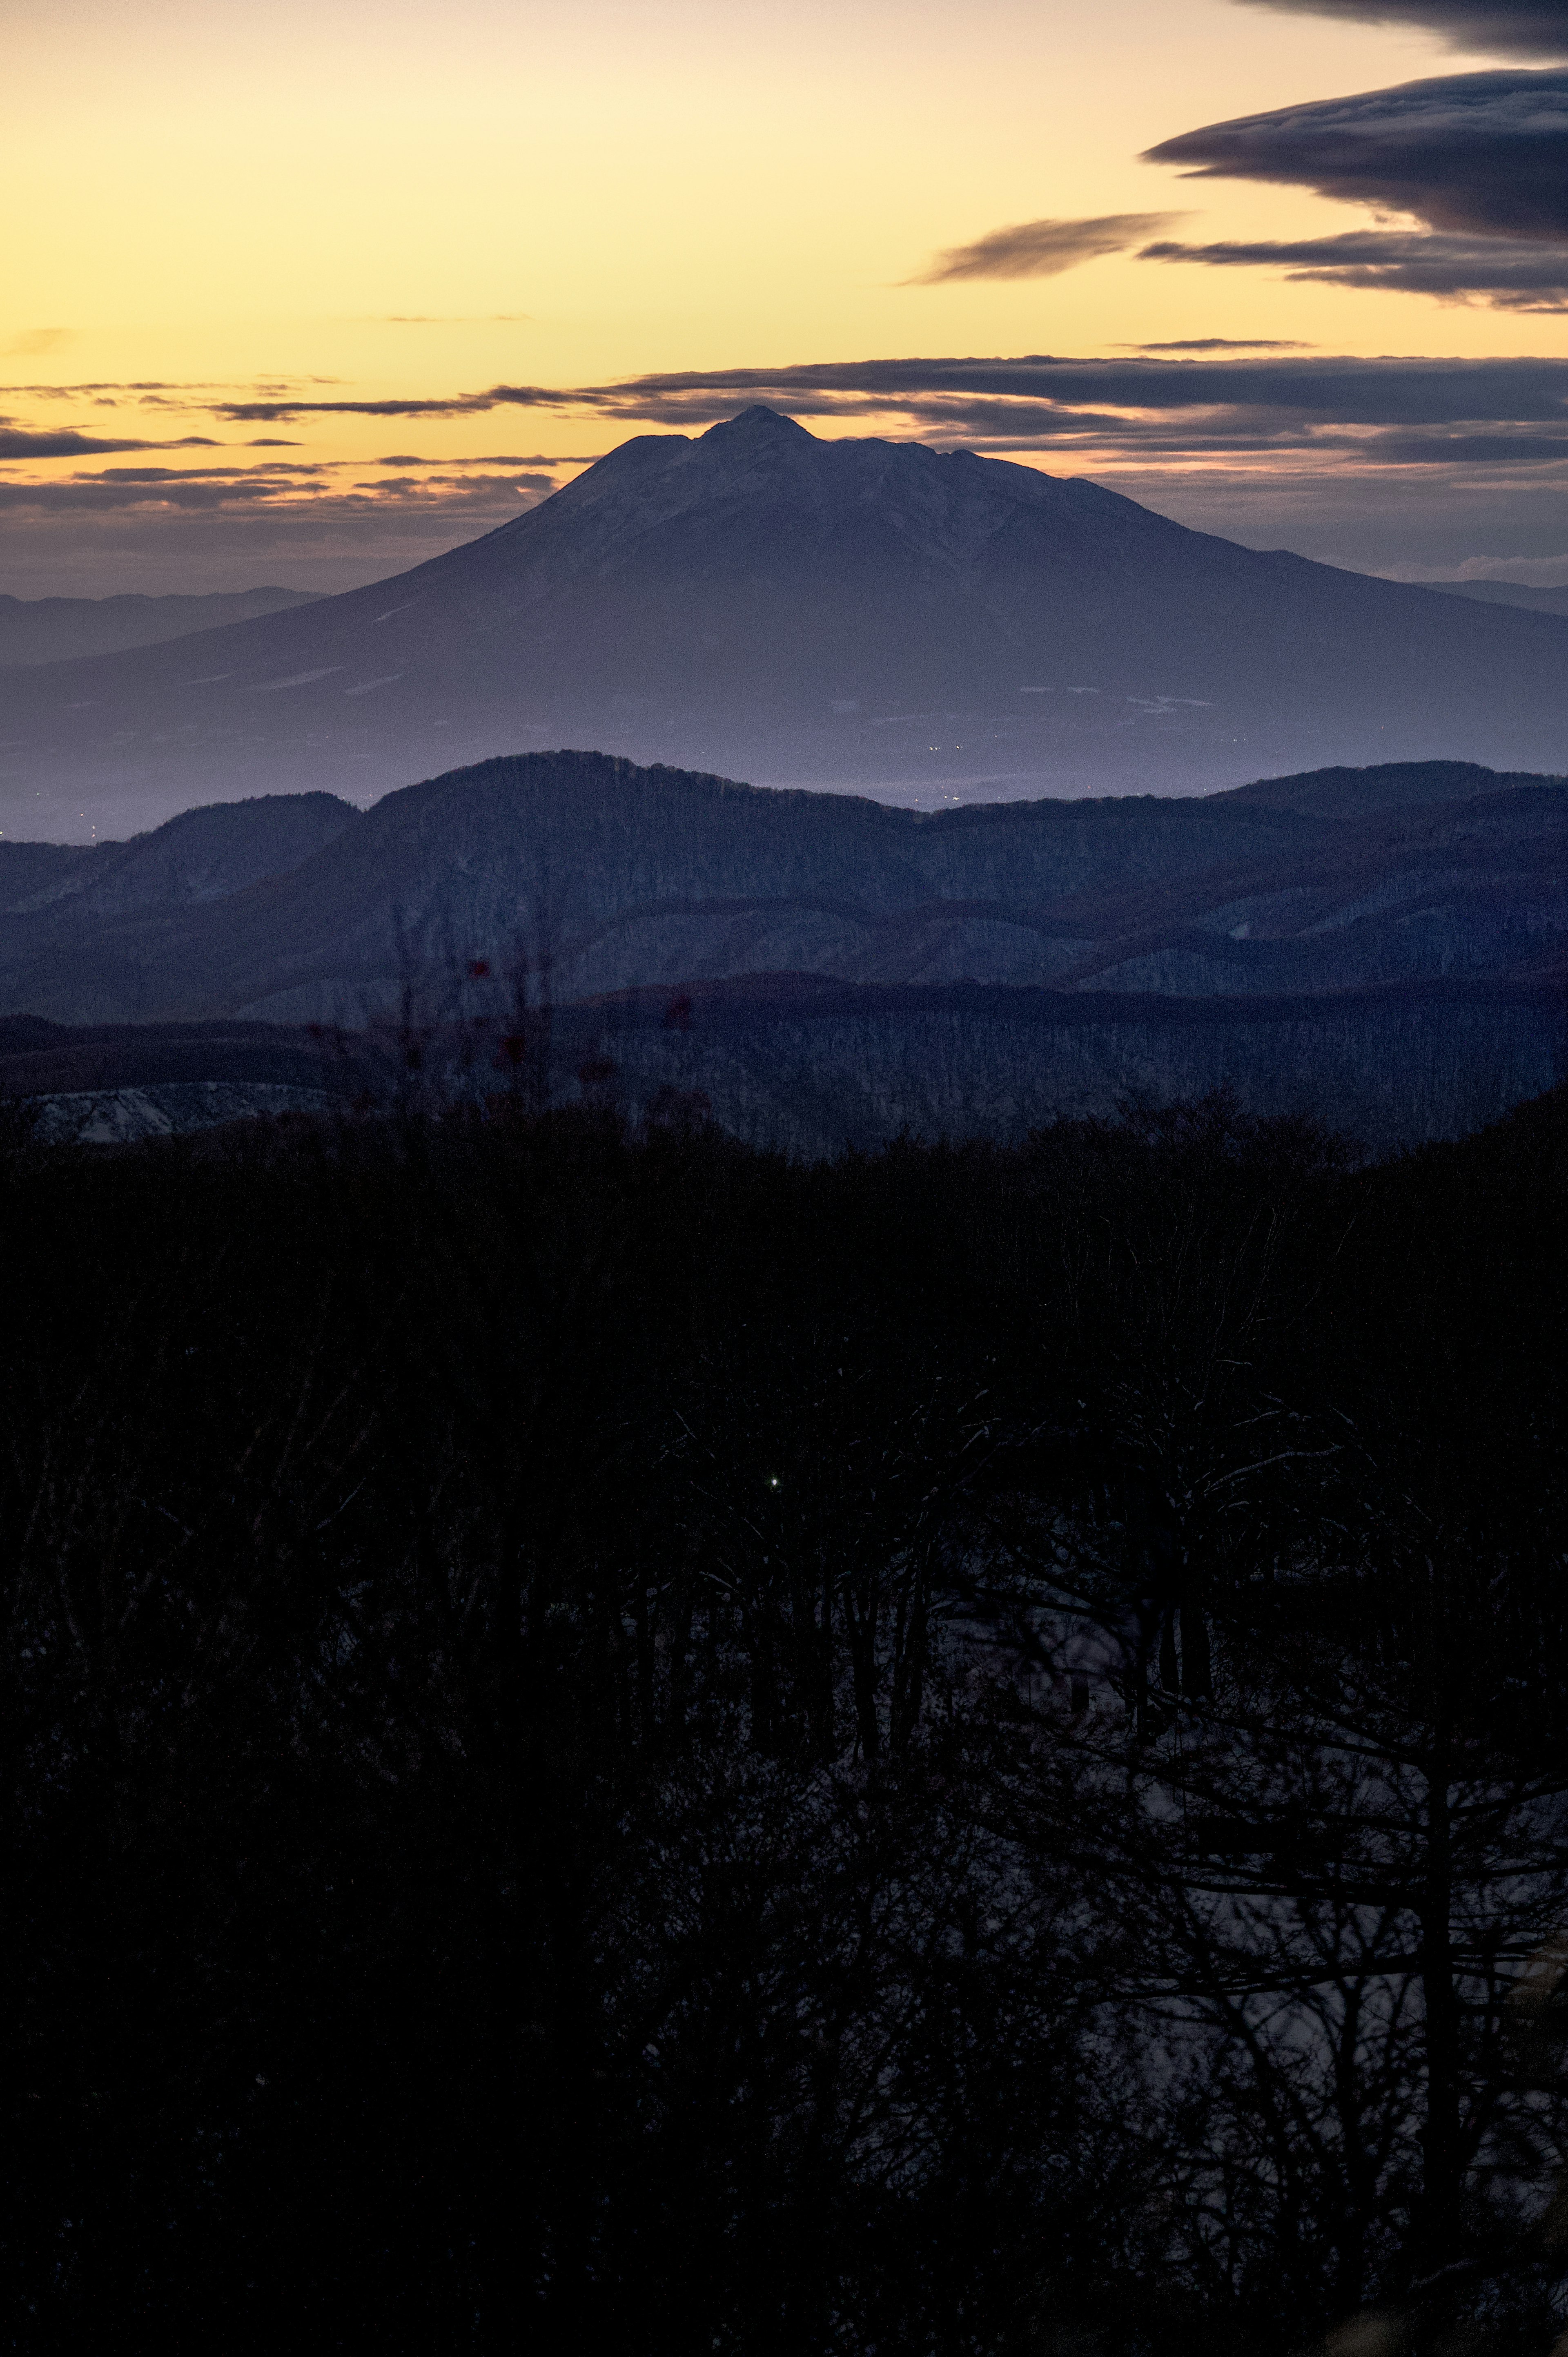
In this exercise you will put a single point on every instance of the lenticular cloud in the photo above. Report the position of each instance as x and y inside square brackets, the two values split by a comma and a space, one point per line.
[1472, 155]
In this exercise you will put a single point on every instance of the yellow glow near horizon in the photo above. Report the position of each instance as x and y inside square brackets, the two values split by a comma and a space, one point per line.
[218, 194]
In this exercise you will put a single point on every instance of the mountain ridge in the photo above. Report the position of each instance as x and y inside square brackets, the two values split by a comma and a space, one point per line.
[625, 875]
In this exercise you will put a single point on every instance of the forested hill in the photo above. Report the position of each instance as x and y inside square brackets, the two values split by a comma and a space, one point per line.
[614, 1743]
[296, 907]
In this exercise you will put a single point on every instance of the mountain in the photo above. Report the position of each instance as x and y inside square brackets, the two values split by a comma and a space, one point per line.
[296, 909]
[855, 614]
[1553, 600]
[58, 630]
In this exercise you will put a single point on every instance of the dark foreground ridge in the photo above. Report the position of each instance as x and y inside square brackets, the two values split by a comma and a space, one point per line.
[814, 1068]
[613, 1743]
[856, 614]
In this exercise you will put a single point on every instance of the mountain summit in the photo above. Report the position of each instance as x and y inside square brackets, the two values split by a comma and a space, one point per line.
[856, 612]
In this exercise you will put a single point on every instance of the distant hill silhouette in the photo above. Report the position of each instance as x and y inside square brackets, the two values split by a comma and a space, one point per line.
[1552, 601]
[62, 629]
[300, 909]
[853, 614]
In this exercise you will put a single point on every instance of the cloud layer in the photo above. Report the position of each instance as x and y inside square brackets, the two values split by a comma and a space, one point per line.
[1507, 28]
[1042, 249]
[273, 412]
[1203, 397]
[465, 497]
[1203, 400]
[23, 442]
[1123, 407]
[1508, 277]
[1219, 343]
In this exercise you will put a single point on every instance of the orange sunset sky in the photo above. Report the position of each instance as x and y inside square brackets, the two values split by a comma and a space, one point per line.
[218, 207]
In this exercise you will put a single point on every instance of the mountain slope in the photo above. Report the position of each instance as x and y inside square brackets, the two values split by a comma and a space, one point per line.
[631, 877]
[853, 613]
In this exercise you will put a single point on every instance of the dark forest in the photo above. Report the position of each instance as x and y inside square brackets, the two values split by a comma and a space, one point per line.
[615, 1741]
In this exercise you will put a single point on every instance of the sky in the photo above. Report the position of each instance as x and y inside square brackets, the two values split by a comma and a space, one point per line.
[309, 293]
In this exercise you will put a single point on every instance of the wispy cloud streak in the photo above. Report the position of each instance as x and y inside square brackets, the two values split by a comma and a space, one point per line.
[29, 443]
[1041, 249]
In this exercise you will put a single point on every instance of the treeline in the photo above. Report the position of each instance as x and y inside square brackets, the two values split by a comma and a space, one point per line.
[1392, 1068]
[613, 1741]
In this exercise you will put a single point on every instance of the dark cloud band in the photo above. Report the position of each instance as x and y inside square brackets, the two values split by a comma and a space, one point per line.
[274, 413]
[1506, 28]
[18, 442]
[1508, 277]
[1510, 415]
[1078, 392]
[1044, 398]
[468, 502]
[1219, 343]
